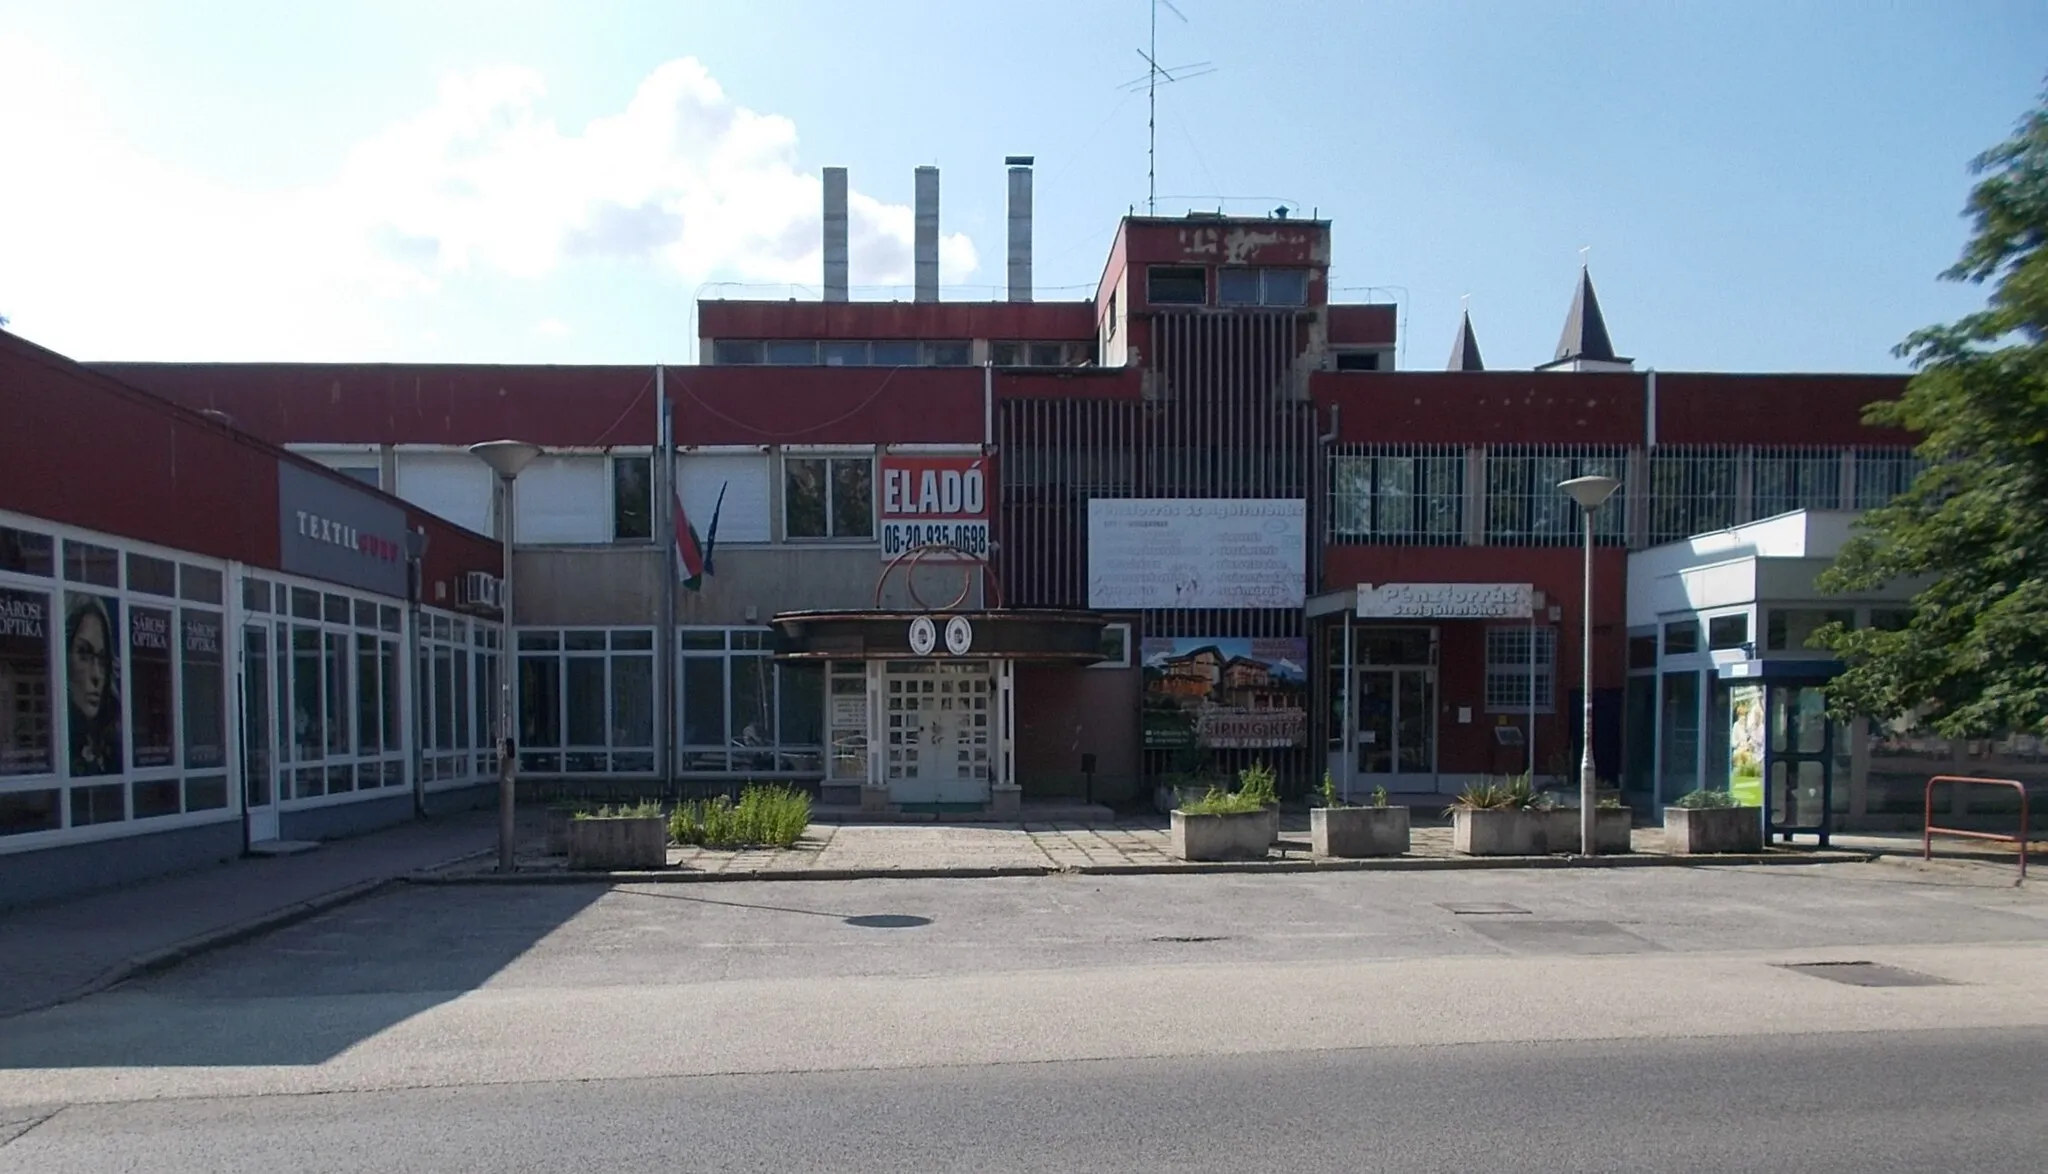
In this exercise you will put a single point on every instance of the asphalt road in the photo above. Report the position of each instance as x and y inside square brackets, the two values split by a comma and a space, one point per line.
[1603, 1019]
[1862, 1103]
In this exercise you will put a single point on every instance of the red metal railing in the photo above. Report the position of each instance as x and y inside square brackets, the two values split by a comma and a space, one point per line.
[1929, 830]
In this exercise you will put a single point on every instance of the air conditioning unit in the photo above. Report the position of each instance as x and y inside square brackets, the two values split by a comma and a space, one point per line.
[480, 589]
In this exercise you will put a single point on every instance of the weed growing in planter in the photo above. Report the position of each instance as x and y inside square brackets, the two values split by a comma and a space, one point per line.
[1379, 796]
[1258, 784]
[1704, 800]
[1221, 802]
[765, 815]
[1330, 797]
[645, 809]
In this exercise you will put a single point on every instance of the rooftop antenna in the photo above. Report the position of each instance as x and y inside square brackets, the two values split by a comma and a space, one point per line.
[1153, 73]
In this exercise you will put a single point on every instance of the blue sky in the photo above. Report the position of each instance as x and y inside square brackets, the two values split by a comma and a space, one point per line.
[1764, 186]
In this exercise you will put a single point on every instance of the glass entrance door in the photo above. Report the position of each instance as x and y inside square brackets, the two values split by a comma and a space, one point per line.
[1802, 761]
[1396, 721]
[939, 717]
[259, 790]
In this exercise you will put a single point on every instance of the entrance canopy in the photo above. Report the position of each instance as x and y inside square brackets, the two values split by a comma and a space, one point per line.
[1024, 635]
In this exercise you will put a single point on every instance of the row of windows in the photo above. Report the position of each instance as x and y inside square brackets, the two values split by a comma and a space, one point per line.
[1786, 629]
[727, 352]
[1236, 285]
[1418, 496]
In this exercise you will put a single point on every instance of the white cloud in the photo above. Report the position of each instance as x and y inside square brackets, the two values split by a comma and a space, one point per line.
[111, 252]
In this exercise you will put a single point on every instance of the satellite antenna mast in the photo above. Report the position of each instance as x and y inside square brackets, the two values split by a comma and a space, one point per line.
[1153, 72]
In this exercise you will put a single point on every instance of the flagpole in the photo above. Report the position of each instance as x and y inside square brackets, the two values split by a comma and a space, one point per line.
[665, 542]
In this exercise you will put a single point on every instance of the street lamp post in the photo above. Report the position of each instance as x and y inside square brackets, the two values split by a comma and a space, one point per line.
[507, 458]
[1590, 493]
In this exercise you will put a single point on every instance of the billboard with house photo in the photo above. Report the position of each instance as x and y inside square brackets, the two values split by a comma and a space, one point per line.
[1225, 693]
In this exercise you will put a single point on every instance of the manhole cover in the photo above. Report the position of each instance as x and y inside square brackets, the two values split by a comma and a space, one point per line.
[1478, 908]
[1864, 974]
[1562, 937]
[1186, 938]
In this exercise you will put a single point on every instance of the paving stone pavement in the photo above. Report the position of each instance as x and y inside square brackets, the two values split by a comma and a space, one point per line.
[1137, 840]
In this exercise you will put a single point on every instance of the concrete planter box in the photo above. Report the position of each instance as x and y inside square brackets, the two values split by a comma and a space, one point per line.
[1505, 831]
[559, 818]
[1610, 829]
[1172, 796]
[607, 845]
[1690, 831]
[1223, 837]
[1354, 832]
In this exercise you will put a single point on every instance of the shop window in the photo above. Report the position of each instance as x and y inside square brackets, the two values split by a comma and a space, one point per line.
[23, 812]
[157, 797]
[92, 675]
[105, 803]
[1681, 637]
[1792, 629]
[1414, 496]
[632, 499]
[743, 713]
[1680, 721]
[26, 552]
[1521, 669]
[87, 563]
[204, 699]
[1726, 632]
[150, 691]
[26, 725]
[586, 701]
[1177, 285]
[829, 497]
[847, 721]
[1525, 506]
[152, 576]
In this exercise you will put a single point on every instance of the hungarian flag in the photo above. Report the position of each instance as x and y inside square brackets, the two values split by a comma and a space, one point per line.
[692, 556]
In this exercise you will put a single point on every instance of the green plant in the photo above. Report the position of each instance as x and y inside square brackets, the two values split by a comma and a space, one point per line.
[1221, 802]
[765, 815]
[1379, 796]
[645, 809]
[1522, 793]
[1608, 802]
[1486, 796]
[1704, 800]
[1258, 784]
[1330, 796]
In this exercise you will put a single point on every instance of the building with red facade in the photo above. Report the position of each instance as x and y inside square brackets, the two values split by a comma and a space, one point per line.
[1207, 465]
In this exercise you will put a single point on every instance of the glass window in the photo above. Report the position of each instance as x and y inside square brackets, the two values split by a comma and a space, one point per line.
[337, 609]
[1182, 285]
[388, 695]
[1525, 505]
[255, 595]
[844, 354]
[540, 701]
[366, 614]
[1642, 651]
[106, 803]
[586, 701]
[894, 353]
[338, 715]
[632, 498]
[1794, 480]
[583, 641]
[22, 812]
[205, 689]
[26, 728]
[727, 352]
[753, 701]
[1358, 360]
[157, 797]
[152, 576]
[701, 639]
[1237, 286]
[1397, 497]
[206, 794]
[369, 705]
[632, 708]
[86, 563]
[26, 552]
[1681, 637]
[1728, 631]
[150, 687]
[1286, 287]
[305, 604]
[800, 709]
[1891, 619]
[948, 354]
[1681, 722]
[1882, 474]
[1047, 354]
[367, 474]
[1510, 675]
[1792, 629]
[92, 677]
[792, 354]
[1006, 354]
[828, 497]
[704, 701]
[633, 640]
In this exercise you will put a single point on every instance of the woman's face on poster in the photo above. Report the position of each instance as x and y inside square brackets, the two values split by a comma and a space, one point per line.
[88, 654]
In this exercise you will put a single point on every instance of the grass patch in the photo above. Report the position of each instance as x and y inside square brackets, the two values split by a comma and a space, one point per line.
[645, 809]
[765, 816]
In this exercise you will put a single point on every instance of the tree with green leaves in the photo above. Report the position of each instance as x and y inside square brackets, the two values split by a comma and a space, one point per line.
[1974, 524]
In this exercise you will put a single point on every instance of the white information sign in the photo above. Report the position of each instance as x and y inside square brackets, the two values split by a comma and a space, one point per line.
[1446, 601]
[924, 636]
[959, 636]
[1197, 552]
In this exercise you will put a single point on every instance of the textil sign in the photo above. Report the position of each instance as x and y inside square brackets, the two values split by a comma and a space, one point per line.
[1446, 601]
[330, 530]
[934, 501]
